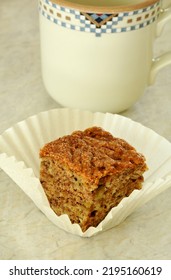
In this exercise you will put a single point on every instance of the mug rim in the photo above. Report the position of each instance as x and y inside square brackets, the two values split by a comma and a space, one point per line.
[104, 9]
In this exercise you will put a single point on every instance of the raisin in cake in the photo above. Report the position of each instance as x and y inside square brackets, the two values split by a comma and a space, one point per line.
[87, 173]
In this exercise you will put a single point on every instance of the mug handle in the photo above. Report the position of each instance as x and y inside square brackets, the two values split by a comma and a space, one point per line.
[165, 59]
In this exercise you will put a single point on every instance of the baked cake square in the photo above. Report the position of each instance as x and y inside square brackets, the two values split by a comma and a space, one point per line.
[87, 173]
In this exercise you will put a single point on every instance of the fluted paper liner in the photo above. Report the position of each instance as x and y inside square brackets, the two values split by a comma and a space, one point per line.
[19, 158]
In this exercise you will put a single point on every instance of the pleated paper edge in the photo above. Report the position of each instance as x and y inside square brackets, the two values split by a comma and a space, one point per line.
[66, 225]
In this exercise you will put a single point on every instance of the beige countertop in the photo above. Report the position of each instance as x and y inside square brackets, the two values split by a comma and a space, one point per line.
[25, 233]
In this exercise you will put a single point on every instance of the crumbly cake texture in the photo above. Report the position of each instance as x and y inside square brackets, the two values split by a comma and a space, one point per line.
[87, 173]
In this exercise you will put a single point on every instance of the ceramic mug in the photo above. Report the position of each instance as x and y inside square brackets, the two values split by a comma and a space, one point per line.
[98, 54]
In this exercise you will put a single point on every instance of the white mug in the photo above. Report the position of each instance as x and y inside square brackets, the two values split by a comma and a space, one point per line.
[98, 54]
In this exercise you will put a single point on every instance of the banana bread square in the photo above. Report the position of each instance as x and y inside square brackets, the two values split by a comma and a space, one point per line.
[87, 173]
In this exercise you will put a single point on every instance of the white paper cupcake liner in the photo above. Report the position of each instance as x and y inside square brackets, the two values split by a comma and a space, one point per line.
[19, 158]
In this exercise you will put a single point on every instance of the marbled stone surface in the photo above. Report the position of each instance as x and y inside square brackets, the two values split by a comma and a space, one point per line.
[25, 233]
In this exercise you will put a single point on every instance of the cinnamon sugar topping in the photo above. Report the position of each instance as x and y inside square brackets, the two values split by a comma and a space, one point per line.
[93, 153]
